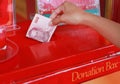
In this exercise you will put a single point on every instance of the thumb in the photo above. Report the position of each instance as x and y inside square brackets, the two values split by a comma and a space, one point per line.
[57, 20]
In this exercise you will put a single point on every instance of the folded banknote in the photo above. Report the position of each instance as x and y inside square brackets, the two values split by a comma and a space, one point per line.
[40, 29]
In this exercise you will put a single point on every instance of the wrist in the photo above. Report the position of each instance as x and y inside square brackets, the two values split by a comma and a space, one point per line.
[88, 19]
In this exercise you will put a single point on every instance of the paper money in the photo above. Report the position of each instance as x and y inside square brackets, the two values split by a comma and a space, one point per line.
[40, 29]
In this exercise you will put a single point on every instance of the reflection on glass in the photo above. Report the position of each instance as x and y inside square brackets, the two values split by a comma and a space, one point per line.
[7, 14]
[10, 51]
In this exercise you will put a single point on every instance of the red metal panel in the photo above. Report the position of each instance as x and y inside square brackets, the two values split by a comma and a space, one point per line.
[70, 46]
[75, 75]
[30, 6]
[102, 7]
[116, 10]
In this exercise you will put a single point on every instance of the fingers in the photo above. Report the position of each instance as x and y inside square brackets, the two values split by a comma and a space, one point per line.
[56, 12]
[58, 15]
[57, 20]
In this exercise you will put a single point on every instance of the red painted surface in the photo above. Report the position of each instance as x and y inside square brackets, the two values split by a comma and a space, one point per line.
[4, 15]
[7, 12]
[30, 6]
[116, 11]
[102, 7]
[70, 46]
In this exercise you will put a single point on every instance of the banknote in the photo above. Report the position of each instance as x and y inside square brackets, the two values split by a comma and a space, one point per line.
[40, 29]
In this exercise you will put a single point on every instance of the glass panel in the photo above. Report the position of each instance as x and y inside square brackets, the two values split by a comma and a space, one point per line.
[7, 14]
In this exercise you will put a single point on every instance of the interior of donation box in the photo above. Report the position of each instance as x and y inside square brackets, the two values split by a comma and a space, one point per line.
[68, 41]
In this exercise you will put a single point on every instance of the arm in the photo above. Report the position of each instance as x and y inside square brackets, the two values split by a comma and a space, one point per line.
[71, 14]
[109, 29]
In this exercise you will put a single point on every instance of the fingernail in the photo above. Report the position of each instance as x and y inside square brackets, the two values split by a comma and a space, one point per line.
[51, 24]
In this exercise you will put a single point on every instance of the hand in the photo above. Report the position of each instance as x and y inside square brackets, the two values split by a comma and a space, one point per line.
[71, 14]
[68, 13]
